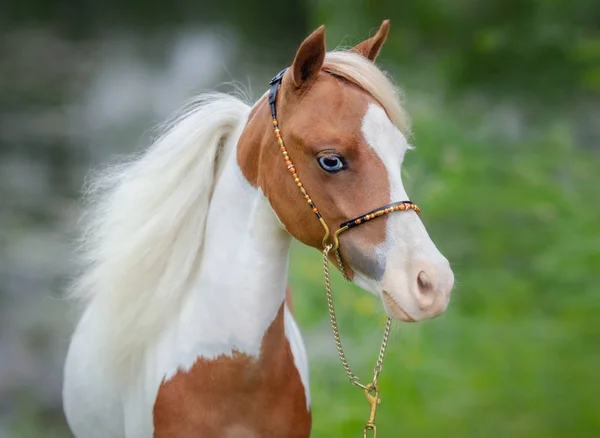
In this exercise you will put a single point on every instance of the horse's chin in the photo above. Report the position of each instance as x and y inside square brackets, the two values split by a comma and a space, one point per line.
[393, 309]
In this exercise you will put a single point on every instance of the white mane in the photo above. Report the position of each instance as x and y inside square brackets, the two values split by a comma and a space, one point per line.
[145, 225]
[144, 229]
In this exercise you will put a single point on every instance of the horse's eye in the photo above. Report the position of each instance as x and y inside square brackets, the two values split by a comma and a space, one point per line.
[331, 163]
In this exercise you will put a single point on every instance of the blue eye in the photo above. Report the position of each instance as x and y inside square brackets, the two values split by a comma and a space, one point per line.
[331, 163]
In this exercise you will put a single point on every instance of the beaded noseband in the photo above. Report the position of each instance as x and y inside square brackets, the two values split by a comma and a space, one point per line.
[386, 209]
[371, 389]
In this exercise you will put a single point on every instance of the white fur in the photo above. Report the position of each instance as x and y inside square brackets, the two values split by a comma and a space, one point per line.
[92, 399]
[292, 332]
[390, 146]
[241, 285]
[144, 237]
[407, 242]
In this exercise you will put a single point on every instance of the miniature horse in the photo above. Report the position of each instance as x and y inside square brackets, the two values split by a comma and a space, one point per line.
[186, 331]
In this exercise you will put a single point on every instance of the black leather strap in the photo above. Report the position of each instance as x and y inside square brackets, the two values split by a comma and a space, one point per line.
[275, 84]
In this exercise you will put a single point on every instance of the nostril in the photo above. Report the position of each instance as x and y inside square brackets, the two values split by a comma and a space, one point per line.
[423, 282]
[425, 291]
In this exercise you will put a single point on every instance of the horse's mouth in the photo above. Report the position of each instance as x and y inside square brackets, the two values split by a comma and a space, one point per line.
[394, 308]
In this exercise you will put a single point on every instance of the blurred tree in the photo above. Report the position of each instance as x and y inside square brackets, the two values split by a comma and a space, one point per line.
[265, 22]
[547, 50]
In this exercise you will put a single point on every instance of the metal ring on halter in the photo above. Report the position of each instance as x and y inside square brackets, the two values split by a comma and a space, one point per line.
[325, 241]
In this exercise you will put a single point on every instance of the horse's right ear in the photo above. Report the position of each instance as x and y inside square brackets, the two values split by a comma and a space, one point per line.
[371, 47]
[309, 58]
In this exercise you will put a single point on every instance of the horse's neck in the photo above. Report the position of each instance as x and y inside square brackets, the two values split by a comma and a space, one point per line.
[233, 306]
[237, 306]
[242, 280]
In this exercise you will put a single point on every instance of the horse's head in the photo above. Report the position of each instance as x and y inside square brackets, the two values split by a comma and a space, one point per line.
[344, 131]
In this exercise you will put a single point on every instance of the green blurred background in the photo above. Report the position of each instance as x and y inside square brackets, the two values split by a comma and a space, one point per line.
[504, 100]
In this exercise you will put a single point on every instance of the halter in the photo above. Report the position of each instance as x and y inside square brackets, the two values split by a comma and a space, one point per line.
[331, 243]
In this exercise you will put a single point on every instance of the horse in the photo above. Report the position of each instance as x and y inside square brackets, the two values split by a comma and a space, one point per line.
[186, 330]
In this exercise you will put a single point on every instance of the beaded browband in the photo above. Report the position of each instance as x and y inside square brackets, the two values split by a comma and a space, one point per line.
[386, 209]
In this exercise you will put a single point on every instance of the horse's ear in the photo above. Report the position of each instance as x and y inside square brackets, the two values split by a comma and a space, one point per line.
[309, 58]
[371, 47]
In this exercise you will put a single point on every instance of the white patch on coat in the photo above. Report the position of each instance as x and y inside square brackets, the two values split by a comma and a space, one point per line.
[294, 337]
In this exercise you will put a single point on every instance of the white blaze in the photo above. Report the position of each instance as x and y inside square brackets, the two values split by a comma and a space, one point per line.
[406, 237]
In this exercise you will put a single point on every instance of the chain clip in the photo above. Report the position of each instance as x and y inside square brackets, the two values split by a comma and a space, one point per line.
[372, 394]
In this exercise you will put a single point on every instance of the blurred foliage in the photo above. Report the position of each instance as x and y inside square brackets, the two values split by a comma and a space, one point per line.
[81, 19]
[537, 49]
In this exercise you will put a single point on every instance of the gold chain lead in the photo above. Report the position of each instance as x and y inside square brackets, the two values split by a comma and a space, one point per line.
[371, 389]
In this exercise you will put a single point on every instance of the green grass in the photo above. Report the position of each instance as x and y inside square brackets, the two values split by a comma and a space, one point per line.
[517, 353]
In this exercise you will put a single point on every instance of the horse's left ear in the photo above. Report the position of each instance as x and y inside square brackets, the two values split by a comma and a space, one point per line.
[371, 47]
[309, 58]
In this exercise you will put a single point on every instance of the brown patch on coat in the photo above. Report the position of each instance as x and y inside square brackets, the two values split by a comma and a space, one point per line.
[237, 396]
